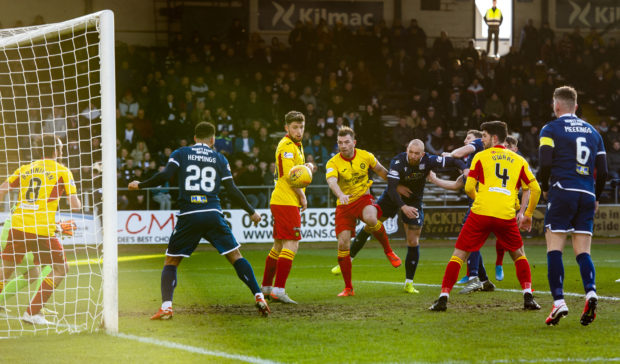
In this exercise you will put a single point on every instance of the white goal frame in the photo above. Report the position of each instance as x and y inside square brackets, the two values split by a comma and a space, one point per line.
[108, 142]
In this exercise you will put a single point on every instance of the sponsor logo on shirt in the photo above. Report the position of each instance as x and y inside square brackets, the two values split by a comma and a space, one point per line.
[198, 199]
[288, 155]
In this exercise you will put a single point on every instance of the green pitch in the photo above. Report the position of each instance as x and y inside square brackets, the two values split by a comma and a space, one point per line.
[215, 320]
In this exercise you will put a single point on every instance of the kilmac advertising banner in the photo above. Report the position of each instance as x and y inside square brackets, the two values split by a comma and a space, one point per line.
[586, 14]
[282, 15]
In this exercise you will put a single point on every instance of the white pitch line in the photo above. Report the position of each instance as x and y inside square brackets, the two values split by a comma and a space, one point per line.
[554, 360]
[194, 349]
[610, 298]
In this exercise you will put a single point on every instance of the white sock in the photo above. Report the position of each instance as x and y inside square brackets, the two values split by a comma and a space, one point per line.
[444, 294]
[259, 295]
[277, 290]
[166, 305]
[527, 290]
[591, 294]
[559, 302]
[408, 281]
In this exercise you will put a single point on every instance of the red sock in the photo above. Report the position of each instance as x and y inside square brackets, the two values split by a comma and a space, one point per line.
[378, 231]
[524, 274]
[452, 274]
[270, 268]
[344, 260]
[499, 249]
[285, 263]
[44, 293]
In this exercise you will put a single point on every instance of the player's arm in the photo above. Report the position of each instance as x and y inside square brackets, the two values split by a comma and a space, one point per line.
[74, 203]
[474, 175]
[4, 189]
[380, 170]
[332, 182]
[448, 185]
[545, 156]
[525, 198]
[237, 196]
[601, 174]
[461, 152]
[157, 179]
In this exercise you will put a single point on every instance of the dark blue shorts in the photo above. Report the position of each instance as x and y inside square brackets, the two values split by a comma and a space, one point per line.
[570, 211]
[390, 209]
[190, 228]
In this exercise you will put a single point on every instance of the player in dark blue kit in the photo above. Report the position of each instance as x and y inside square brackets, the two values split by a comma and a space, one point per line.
[201, 172]
[570, 152]
[407, 175]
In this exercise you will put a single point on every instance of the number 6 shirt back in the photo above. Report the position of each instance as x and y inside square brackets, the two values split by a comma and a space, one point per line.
[575, 146]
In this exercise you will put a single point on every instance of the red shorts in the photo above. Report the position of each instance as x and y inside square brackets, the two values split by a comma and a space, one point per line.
[46, 249]
[478, 227]
[286, 222]
[347, 215]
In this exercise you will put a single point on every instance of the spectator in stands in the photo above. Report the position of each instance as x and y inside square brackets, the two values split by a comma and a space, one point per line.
[319, 153]
[128, 136]
[251, 176]
[529, 43]
[128, 106]
[162, 195]
[442, 48]
[401, 135]
[137, 154]
[451, 142]
[433, 117]
[529, 147]
[56, 124]
[223, 143]
[494, 108]
[434, 141]
[613, 160]
[243, 143]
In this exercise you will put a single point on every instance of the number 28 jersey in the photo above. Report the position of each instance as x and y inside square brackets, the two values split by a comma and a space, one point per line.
[200, 171]
[40, 183]
[575, 146]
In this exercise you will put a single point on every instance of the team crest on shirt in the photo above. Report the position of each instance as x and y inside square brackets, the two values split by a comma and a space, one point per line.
[422, 165]
[363, 165]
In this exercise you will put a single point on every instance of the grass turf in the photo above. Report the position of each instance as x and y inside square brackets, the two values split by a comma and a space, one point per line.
[382, 323]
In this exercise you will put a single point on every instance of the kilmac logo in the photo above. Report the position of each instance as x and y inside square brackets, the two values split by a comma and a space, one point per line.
[287, 13]
[580, 13]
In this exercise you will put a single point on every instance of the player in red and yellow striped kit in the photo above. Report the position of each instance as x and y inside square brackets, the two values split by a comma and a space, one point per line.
[497, 173]
[347, 176]
[40, 184]
[285, 204]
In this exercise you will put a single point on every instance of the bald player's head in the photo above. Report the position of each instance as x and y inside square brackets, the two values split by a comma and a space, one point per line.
[415, 151]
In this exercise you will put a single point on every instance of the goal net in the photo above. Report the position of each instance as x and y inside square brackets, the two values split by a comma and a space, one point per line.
[58, 79]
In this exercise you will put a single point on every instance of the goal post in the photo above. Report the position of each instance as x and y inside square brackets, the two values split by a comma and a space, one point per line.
[60, 79]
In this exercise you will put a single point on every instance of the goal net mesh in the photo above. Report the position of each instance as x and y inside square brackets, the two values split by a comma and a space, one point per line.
[50, 84]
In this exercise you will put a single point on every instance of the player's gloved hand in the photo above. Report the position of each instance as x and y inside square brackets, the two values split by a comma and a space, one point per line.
[66, 227]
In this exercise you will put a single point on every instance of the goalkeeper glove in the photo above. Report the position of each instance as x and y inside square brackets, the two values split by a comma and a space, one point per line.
[66, 227]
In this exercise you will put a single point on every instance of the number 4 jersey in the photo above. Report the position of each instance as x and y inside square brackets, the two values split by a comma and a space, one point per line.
[200, 171]
[500, 173]
[40, 183]
[575, 146]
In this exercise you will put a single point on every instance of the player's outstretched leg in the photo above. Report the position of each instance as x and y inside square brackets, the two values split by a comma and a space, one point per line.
[555, 275]
[378, 231]
[411, 263]
[344, 260]
[246, 274]
[285, 263]
[168, 284]
[361, 237]
[271, 264]
[586, 268]
[524, 274]
[449, 279]
[499, 261]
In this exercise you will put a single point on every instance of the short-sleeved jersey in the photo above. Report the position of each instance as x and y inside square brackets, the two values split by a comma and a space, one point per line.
[288, 154]
[352, 174]
[478, 147]
[200, 171]
[40, 183]
[500, 173]
[414, 177]
[575, 146]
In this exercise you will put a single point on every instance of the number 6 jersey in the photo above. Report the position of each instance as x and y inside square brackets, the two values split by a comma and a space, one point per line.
[40, 183]
[575, 146]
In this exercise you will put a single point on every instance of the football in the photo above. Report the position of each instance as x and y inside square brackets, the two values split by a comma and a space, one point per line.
[300, 176]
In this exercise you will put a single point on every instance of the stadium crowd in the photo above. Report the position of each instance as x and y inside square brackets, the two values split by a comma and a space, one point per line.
[390, 84]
